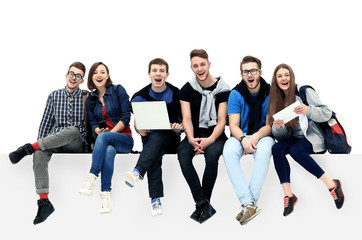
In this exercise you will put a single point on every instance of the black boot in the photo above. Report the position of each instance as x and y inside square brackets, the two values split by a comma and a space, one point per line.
[21, 152]
[206, 212]
[45, 208]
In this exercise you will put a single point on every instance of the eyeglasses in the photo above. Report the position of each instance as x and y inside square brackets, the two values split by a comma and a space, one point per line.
[252, 71]
[76, 76]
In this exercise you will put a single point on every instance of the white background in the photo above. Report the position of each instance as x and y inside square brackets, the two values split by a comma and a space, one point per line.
[321, 40]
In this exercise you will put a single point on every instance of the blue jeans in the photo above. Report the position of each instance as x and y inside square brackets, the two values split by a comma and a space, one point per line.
[299, 150]
[105, 149]
[233, 151]
[155, 145]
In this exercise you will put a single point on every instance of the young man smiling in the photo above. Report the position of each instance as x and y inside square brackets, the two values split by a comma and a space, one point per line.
[204, 111]
[61, 130]
[156, 143]
[247, 110]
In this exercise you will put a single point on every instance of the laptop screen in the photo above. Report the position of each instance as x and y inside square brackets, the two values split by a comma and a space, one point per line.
[151, 115]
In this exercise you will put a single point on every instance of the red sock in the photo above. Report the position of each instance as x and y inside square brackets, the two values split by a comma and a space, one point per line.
[43, 196]
[35, 146]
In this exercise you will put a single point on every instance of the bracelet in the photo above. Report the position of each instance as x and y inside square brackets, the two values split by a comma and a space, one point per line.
[241, 138]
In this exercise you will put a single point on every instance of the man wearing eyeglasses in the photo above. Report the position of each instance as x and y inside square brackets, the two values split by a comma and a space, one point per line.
[247, 112]
[61, 130]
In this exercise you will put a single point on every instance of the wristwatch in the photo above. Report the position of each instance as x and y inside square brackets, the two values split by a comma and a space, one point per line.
[241, 138]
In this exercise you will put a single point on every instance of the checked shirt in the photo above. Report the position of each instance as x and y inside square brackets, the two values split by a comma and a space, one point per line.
[62, 110]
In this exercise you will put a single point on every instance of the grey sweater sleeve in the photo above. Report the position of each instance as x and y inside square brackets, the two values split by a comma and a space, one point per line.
[281, 133]
[317, 111]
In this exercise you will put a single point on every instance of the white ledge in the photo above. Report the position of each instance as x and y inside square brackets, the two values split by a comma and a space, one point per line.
[77, 216]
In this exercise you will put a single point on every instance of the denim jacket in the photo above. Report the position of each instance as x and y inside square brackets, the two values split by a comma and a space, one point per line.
[116, 101]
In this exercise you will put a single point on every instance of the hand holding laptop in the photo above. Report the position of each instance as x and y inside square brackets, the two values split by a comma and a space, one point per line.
[177, 127]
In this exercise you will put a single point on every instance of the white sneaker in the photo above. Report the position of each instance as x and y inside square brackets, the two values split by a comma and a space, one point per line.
[156, 208]
[106, 202]
[89, 185]
[132, 177]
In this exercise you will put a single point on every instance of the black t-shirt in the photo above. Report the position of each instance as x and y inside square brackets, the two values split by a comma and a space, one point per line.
[188, 94]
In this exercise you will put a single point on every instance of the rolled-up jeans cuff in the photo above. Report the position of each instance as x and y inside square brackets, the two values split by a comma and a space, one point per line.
[41, 144]
[43, 190]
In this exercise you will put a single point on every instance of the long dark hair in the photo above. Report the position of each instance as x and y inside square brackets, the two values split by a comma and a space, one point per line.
[90, 83]
[277, 99]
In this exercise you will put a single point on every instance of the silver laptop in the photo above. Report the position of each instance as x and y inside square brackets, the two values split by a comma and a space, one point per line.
[151, 115]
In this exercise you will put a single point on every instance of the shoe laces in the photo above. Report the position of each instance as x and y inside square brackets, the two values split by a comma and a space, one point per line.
[286, 202]
[135, 176]
[335, 193]
[156, 204]
[89, 182]
[252, 209]
[105, 200]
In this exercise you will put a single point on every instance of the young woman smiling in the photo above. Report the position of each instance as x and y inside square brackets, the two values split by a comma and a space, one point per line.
[300, 137]
[110, 105]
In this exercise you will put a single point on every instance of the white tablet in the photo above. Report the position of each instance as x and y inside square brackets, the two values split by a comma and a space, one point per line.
[287, 113]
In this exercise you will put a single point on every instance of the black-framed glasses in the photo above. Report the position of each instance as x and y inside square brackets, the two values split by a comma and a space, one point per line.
[252, 71]
[76, 76]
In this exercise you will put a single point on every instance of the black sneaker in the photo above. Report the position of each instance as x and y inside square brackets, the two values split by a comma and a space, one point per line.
[207, 211]
[337, 194]
[289, 203]
[21, 152]
[45, 208]
[196, 215]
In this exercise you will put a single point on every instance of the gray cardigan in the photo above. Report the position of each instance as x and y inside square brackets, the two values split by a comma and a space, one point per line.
[317, 112]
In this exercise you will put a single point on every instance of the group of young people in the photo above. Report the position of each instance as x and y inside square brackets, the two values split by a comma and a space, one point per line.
[202, 107]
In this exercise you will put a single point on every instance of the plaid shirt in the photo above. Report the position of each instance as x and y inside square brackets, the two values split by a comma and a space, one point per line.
[62, 110]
